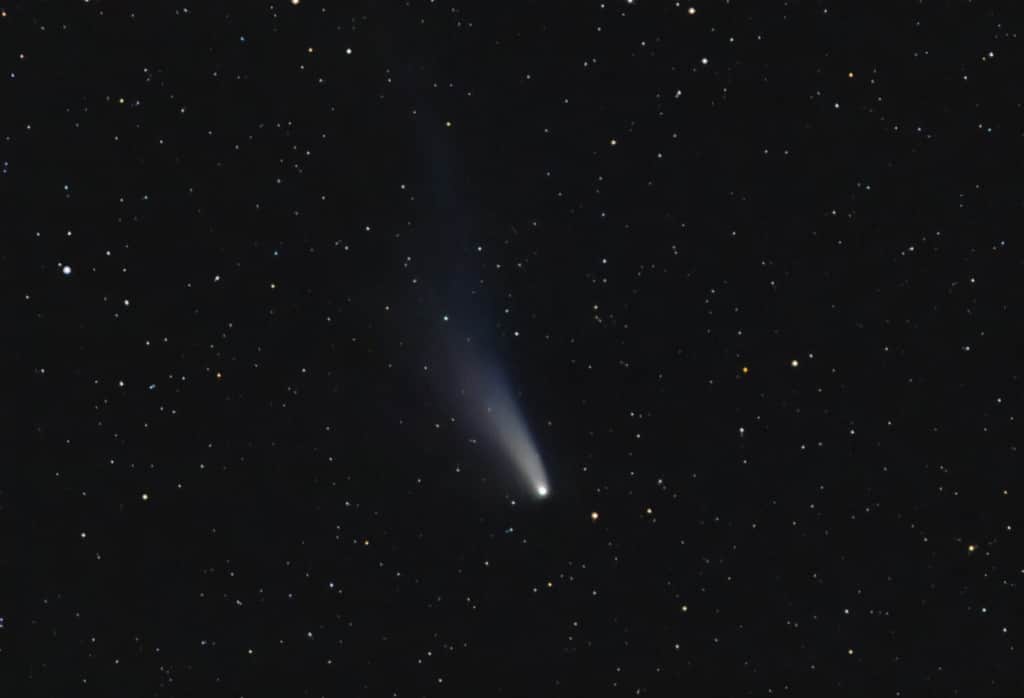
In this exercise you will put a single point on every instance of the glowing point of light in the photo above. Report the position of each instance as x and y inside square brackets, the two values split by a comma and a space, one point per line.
[542, 491]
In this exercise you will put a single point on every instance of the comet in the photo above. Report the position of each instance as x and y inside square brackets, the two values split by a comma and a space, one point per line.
[496, 413]
[453, 227]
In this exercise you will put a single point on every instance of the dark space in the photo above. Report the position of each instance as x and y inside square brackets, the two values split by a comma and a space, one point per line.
[746, 280]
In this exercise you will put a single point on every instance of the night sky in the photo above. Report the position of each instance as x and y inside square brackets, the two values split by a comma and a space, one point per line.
[402, 348]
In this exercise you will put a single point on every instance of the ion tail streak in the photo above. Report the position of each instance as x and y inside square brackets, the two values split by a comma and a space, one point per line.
[452, 234]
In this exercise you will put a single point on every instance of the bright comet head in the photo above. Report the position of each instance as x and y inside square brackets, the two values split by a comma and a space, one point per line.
[542, 491]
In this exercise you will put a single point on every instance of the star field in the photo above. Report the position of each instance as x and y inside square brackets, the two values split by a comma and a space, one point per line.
[510, 349]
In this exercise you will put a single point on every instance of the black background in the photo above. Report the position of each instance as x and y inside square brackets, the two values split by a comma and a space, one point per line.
[277, 498]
